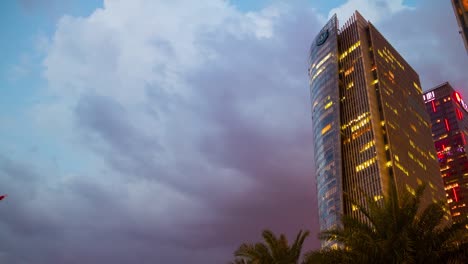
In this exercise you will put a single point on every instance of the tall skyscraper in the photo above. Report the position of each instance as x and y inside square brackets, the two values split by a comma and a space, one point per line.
[449, 118]
[460, 7]
[370, 127]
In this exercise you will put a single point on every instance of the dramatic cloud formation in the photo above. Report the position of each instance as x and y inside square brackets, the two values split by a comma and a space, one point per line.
[428, 39]
[192, 121]
[373, 10]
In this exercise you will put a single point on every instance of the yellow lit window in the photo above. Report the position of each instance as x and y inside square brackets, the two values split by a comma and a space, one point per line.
[365, 164]
[350, 49]
[318, 73]
[377, 197]
[367, 146]
[349, 71]
[403, 169]
[326, 129]
[360, 124]
[411, 190]
[443, 136]
[323, 60]
[328, 105]
[419, 181]
[417, 87]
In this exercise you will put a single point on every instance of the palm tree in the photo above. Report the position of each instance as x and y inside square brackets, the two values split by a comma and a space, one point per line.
[395, 233]
[273, 251]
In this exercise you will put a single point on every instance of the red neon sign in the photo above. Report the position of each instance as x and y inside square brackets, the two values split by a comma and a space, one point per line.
[460, 101]
[433, 106]
[459, 114]
[455, 194]
[447, 124]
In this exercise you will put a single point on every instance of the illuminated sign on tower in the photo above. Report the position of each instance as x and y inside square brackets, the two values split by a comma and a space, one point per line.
[460, 101]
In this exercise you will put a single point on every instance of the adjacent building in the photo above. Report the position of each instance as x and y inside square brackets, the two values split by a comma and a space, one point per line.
[370, 127]
[449, 118]
[460, 7]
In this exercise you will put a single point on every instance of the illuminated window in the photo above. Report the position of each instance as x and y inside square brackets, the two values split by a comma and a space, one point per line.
[417, 87]
[365, 164]
[367, 146]
[349, 71]
[328, 105]
[403, 169]
[318, 73]
[326, 129]
[378, 197]
[443, 136]
[350, 49]
[361, 124]
[323, 60]
[411, 190]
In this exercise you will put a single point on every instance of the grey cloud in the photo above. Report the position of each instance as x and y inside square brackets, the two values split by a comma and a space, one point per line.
[268, 143]
[205, 170]
[428, 39]
[111, 122]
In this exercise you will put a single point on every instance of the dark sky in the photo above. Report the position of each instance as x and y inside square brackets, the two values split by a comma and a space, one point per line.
[180, 129]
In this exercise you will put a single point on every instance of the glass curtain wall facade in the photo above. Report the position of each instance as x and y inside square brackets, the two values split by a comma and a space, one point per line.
[449, 118]
[324, 87]
[377, 128]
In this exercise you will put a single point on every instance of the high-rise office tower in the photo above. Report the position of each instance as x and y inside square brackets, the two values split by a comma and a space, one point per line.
[370, 127]
[449, 118]
[460, 7]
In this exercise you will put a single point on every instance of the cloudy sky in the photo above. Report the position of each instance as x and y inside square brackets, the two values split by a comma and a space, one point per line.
[147, 131]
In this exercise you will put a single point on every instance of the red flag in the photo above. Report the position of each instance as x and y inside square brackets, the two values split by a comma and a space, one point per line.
[3, 197]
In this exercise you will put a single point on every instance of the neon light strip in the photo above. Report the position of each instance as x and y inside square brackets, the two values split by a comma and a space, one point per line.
[455, 194]
[433, 106]
[463, 138]
[459, 114]
[447, 124]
